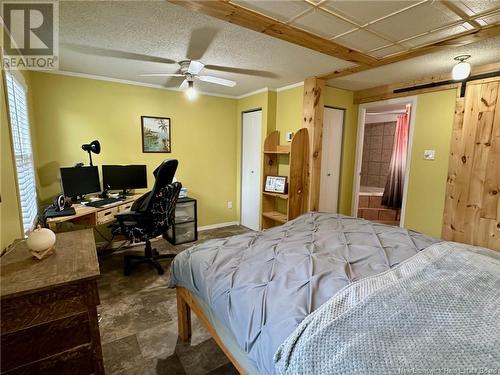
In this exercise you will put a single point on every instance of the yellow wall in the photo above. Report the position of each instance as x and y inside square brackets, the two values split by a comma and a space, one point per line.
[70, 111]
[9, 207]
[427, 182]
[289, 118]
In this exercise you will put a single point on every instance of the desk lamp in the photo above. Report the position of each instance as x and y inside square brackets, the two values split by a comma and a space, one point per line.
[94, 147]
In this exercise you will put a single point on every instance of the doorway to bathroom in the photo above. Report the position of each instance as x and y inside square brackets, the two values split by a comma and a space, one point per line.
[385, 134]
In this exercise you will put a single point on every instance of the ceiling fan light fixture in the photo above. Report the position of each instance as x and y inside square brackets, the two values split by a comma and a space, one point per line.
[191, 92]
[461, 70]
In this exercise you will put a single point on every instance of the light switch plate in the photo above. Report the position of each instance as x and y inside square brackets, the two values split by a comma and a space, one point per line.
[289, 136]
[429, 154]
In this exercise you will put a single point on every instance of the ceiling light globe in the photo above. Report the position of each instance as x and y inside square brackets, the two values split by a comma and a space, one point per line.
[191, 93]
[460, 71]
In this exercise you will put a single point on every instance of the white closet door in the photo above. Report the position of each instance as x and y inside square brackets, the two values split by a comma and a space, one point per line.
[251, 169]
[333, 124]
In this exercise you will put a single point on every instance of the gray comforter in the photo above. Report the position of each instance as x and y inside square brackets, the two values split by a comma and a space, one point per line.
[436, 313]
[262, 285]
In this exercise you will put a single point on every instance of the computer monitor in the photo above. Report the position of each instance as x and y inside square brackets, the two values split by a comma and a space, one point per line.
[78, 181]
[124, 177]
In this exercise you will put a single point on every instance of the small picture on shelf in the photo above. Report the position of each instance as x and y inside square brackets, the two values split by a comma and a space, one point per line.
[276, 184]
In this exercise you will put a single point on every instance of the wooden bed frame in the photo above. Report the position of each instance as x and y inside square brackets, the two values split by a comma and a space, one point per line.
[186, 303]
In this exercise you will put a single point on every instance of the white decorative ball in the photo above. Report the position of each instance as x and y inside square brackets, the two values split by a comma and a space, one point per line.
[41, 239]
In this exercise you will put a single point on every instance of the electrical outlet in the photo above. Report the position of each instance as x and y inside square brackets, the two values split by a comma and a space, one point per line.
[429, 154]
[229, 204]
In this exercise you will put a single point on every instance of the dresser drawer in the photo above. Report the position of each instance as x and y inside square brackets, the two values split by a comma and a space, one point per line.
[45, 340]
[27, 311]
[79, 361]
[107, 215]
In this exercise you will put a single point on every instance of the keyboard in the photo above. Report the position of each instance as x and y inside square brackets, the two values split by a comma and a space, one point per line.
[104, 202]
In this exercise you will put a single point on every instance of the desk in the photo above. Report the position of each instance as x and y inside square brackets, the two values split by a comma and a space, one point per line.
[93, 216]
[49, 318]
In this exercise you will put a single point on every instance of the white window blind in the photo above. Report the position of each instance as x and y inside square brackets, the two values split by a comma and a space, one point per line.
[23, 153]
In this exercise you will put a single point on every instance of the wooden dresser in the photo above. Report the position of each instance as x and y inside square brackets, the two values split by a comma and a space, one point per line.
[48, 309]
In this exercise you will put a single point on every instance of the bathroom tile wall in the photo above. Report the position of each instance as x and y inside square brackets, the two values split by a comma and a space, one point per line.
[377, 151]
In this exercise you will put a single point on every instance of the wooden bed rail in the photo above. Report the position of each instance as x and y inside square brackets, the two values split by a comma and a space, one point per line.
[186, 303]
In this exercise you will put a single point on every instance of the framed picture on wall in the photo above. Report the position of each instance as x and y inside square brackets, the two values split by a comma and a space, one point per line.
[275, 184]
[155, 134]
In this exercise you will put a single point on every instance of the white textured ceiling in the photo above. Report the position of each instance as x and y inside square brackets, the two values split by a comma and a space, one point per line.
[158, 29]
[161, 29]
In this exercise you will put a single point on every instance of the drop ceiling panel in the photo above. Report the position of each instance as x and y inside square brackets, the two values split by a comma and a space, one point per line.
[387, 51]
[362, 40]
[322, 23]
[472, 7]
[436, 36]
[280, 10]
[363, 12]
[492, 19]
[417, 20]
[482, 53]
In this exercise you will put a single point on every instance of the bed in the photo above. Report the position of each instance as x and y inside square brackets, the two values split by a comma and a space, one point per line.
[265, 296]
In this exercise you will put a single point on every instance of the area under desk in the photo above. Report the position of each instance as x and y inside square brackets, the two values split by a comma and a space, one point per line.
[93, 216]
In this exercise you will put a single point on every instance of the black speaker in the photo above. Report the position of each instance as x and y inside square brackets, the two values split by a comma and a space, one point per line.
[61, 203]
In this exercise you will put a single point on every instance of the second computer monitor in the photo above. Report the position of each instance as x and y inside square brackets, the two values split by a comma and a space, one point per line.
[124, 177]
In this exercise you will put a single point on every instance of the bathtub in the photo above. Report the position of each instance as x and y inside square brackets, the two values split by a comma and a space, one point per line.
[371, 191]
[370, 206]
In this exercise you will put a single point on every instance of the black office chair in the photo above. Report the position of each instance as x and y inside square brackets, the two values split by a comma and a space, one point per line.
[150, 216]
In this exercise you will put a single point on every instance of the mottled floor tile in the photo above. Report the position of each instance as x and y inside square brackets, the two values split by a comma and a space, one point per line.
[139, 319]
[158, 341]
[169, 366]
[202, 358]
[122, 354]
[227, 369]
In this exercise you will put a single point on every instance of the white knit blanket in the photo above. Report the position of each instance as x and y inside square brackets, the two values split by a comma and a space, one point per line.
[436, 313]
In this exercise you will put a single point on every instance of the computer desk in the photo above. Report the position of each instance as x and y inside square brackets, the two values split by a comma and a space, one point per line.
[93, 216]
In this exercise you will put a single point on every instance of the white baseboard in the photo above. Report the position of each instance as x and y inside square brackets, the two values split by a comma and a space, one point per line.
[219, 225]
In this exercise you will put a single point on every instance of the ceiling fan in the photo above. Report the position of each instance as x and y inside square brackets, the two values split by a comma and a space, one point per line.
[190, 70]
[200, 40]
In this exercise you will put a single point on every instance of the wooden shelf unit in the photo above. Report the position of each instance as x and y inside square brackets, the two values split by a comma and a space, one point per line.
[277, 208]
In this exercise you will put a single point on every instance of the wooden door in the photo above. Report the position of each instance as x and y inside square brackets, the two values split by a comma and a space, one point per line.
[250, 169]
[331, 154]
[472, 204]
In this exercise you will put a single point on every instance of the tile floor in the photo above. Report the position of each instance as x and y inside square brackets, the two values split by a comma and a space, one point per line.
[139, 320]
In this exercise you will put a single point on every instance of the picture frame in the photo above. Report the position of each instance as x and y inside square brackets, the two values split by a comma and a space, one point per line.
[276, 184]
[156, 134]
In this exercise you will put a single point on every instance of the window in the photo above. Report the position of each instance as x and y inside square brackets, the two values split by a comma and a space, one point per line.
[23, 153]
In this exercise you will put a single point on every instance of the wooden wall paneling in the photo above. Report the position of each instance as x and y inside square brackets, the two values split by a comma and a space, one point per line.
[472, 205]
[454, 162]
[297, 195]
[314, 89]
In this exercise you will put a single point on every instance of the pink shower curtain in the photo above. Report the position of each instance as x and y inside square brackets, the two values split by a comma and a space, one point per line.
[393, 192]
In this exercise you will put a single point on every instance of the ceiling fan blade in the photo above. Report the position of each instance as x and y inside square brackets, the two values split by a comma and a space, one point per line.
[195, 67]
[217, 81]
[106, 52]
[201, 39]
[161, 75]
[184, 85]
[250, 72]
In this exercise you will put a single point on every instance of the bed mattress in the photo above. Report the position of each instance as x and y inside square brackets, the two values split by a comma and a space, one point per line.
[261, 285]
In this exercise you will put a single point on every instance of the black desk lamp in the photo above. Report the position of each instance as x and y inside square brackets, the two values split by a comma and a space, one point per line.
[94, 147]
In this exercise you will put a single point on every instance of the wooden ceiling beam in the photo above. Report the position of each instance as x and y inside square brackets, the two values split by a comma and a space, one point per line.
[387, 91]
[459, 41]
[240, 16]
